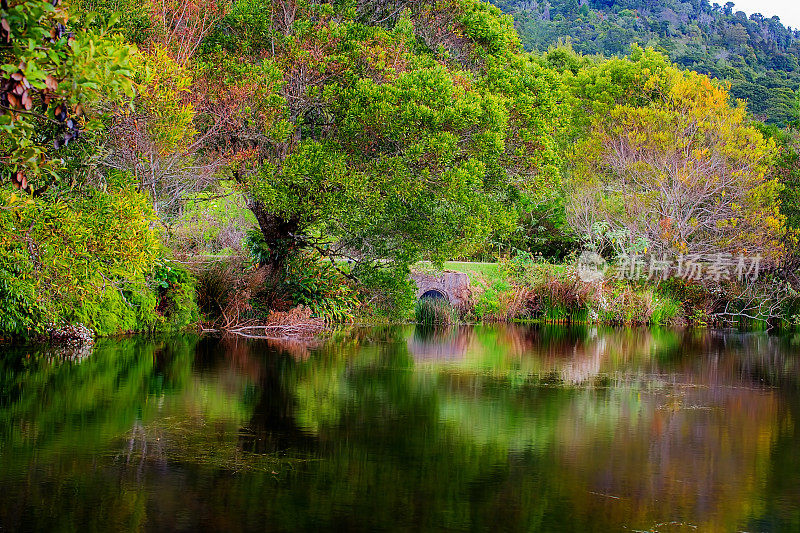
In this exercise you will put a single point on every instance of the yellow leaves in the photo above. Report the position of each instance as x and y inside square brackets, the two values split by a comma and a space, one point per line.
[774, 223]
[679, 148]
[696, 93]
[162, 89]
[157, 69]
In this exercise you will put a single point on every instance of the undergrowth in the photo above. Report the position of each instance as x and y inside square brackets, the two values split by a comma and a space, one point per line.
[435, 312]
[59, 267]
[529, 288]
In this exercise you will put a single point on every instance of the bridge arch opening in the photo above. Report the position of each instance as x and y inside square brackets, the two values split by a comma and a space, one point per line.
[434, 294]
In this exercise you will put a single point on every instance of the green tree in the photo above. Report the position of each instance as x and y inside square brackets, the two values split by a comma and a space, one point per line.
[382, 139]
[79, 243]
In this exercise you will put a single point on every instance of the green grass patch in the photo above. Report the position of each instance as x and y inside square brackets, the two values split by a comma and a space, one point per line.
[484, 270]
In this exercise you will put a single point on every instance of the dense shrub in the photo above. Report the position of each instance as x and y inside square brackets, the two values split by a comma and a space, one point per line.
[177, 296]
[88, 258]
[696, 300]
[554, 293]
[316, 284]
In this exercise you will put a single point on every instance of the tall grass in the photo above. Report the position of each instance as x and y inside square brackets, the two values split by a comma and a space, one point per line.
[555, 294]
[665, 310]
[530, 288]
[435, 312]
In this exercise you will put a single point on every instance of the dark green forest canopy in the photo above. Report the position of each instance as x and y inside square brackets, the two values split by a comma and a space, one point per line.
[757, 55]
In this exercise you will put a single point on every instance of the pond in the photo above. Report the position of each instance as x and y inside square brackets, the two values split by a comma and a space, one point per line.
[396, 428]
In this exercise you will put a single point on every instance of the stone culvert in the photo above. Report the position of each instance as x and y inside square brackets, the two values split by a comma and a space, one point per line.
[452, 286]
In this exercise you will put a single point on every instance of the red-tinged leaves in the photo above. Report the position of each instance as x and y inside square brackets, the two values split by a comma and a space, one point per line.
[19, 180]
[5, 31]
[60, 113]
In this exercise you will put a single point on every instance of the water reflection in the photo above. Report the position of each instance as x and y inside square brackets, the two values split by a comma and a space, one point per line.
[510, 427]
[440, 344]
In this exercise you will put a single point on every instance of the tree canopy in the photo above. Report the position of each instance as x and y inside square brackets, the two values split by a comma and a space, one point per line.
[667, 164]
[372, 137]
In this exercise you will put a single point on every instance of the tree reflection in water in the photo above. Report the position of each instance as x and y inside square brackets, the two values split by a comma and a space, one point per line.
[482, 427]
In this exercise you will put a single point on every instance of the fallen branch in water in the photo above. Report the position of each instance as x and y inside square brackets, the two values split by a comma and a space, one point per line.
[294, 323]
[272, 326]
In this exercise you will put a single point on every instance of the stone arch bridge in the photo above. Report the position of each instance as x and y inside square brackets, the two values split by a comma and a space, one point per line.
[452, 286]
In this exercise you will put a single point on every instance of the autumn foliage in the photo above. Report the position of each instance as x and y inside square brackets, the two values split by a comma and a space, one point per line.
[673, 167]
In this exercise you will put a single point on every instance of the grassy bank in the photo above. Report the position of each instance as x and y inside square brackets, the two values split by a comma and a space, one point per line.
[528, 289]
[232, 292]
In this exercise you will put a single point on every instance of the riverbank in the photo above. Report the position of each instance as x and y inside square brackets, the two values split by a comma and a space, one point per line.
[527, 289]
[234, 295]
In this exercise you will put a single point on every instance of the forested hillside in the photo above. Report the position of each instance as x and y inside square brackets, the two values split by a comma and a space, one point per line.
[758, 56]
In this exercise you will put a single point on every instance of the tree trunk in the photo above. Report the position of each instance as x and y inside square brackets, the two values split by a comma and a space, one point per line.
[279, 235]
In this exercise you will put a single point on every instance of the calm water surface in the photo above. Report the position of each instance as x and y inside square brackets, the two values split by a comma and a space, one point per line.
[484, 428]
